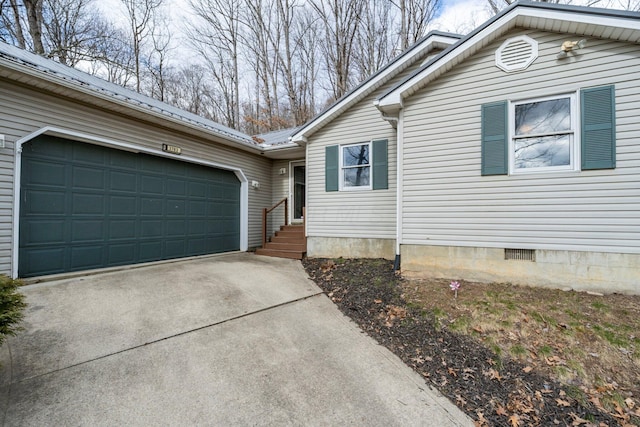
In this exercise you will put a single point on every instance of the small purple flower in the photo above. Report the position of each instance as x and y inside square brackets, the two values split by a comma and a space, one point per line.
[455, 285]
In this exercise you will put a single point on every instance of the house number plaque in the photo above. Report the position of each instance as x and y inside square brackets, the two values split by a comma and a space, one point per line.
[171, 149]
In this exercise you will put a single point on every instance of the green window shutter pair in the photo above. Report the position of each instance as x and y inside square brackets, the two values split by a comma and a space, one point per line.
[379, 165]
[598, 132]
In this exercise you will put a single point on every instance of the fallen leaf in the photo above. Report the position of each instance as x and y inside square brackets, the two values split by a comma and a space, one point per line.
[501, 411]
[493, 374]
[596, 401]
[564, 403]
[577, 420]
[630, 403]
[460, 400]
[453, 372]
[527, 369]
[478, 329]
[377, 301]
[514, 420]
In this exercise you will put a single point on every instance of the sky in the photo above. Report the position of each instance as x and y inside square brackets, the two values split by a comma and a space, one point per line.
[461, 16]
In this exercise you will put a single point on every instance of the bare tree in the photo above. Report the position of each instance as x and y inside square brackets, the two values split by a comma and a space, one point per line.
[157, 63]
[341, 19]
[12, 24]
[140, 15]
[217, 38]
[374, 40]
[415, 16]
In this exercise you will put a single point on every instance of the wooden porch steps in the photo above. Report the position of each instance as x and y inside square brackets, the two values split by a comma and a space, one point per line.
[288, 242]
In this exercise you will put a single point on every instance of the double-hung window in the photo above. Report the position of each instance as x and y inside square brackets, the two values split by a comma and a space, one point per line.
[543, 134]
[355, 166]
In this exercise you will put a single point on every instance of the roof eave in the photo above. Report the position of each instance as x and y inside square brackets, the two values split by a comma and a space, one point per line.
[494, 28]
[433, 40]
[53, 83]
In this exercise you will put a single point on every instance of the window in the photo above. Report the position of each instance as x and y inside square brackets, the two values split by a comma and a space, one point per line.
[361, 166]
[543, 134]
[355, 166]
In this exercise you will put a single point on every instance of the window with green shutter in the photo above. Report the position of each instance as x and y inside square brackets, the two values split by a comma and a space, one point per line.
[360, 166]
[541, 134]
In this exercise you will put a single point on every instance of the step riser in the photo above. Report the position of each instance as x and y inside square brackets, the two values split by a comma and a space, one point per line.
[280, 239]
[289, 234]
[286, 247]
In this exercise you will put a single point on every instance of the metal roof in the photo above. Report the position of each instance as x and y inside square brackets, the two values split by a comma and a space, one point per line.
[59, 74]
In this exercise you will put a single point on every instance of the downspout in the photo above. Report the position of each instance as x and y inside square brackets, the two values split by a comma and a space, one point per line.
[396, 123]
[399, 185]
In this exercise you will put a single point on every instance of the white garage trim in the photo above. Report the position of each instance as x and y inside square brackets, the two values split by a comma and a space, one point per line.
[91, 139]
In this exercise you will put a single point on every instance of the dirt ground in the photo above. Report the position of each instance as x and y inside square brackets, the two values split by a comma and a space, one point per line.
[506, 355]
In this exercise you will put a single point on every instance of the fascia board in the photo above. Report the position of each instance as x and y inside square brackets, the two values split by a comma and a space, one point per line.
[370, 85]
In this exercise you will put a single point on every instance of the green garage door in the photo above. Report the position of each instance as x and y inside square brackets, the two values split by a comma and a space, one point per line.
[84, 206]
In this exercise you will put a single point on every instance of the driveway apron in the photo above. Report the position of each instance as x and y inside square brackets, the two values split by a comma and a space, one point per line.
[235, 339]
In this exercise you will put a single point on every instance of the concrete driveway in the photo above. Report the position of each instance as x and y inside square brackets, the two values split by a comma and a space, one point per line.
[235, 339]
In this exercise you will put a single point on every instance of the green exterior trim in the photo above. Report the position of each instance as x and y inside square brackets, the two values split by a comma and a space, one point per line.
[495, 160]
[598, 126]
[332, 168]
[380, 164]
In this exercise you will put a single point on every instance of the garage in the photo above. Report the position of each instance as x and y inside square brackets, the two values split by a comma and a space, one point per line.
[86, 206]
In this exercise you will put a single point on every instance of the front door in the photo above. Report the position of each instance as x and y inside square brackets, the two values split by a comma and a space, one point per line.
[298, 191]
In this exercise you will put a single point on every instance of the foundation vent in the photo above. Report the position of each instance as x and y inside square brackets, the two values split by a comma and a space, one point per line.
[520, 254]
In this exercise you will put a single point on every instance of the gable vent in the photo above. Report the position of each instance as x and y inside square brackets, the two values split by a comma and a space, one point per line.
[516, 53]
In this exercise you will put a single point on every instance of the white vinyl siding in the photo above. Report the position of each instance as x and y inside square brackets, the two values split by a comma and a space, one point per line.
[446, 201]
[24, 111]
[357, 214]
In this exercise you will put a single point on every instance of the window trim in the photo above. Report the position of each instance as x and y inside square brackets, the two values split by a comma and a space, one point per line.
[574, 135]
[341, 167]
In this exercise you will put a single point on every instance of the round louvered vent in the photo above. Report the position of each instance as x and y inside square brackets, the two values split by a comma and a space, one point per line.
[516, 53]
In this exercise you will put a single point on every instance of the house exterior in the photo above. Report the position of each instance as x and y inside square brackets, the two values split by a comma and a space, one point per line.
[510, 154]
[93, 175]
[514, 155]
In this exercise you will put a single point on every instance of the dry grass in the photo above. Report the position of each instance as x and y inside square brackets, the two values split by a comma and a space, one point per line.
[590, 343]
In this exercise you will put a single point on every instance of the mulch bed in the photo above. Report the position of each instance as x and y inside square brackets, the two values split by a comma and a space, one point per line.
[493, 391]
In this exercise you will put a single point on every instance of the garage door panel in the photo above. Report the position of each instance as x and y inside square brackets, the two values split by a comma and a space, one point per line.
[122, 160]
[106, 207]
[151, 206]
[151, 228]
[89, 154]
[176, 227]
[122, 229]
[87, 178]
[176, 187]
[152, 185]
[122, 205]
[176, 207]
[86, 257]
[87, 204]
[44, 231]
[123, 181]
[87, 230]
[121, 254]
[152, 164]
[46, 173]
[150, 251]
[37, 202]
[42, 261]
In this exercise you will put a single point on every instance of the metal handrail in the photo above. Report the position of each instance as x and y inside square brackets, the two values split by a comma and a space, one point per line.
[266, 211]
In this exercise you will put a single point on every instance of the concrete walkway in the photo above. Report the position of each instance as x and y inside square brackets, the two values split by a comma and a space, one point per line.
[235, 339]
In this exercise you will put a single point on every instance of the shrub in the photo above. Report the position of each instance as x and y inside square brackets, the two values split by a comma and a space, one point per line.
[11, 306]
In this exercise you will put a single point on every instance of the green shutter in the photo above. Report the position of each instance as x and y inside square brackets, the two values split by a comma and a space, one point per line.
[331, 168]
[380, 165]
[494, 139]
[598, 118]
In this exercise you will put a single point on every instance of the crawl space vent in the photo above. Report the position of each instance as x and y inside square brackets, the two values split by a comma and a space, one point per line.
[520, 254]
[516, 53]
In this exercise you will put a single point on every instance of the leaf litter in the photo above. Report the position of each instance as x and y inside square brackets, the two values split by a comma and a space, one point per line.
[493, 389]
